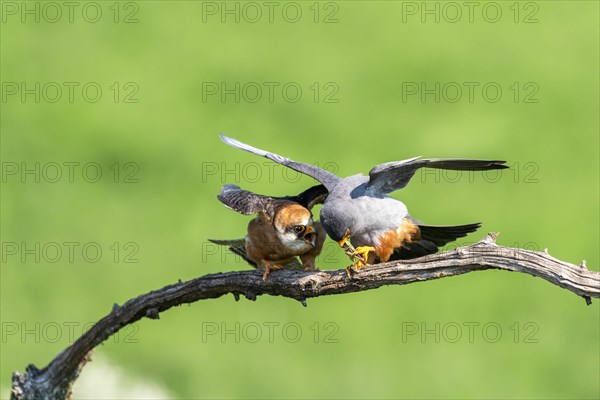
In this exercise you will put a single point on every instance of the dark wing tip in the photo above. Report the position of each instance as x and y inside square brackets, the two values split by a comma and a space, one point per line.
[311, 196]
[492, 164]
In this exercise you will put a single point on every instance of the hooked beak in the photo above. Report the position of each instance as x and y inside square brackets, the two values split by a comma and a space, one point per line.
[310, 235]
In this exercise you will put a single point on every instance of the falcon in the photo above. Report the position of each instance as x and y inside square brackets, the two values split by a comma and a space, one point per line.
[282, 231]
[367, 223]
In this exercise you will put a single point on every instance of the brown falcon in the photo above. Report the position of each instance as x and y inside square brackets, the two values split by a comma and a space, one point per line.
[282, 231]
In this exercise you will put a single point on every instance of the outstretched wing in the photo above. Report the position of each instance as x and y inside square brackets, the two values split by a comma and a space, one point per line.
[243, 201]
[311, 196]
[325, 177]
[388, 177]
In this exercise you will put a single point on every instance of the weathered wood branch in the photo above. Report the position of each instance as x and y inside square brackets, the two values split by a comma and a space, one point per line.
[56, 379]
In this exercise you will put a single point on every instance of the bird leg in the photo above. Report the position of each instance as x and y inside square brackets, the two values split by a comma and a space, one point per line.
[346, 239]
[360, 255]
[266, 274]
[267, 265]
[363, 253]
[347, 246]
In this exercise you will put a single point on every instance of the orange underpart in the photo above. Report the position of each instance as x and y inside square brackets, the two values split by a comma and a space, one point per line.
[405, 233]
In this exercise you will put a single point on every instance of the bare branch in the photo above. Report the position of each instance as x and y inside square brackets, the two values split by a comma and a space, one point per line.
[55, 380]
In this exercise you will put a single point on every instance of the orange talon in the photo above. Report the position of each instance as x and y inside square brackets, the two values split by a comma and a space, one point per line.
[363, 253]
[359, 255]
[345, 239]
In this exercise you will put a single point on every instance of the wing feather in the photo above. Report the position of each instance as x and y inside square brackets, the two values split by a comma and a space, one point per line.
[395, 175]
[243, 201]
[325, 177]
[311, 196]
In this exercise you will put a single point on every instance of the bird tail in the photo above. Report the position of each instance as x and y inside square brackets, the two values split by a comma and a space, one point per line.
[432, 238]
[238, 246]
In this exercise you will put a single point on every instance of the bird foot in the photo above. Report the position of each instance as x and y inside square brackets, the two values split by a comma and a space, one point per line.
[349, 271]
[266, 274]
[361, 255]
[267, 269]
[345, 240]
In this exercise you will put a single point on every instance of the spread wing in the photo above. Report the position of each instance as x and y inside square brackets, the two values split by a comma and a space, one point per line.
[325, 177]
[247, 202]
[388, 177]
[243, 201]
[311, 196]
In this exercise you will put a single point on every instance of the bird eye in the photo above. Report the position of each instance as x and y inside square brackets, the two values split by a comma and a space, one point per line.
[298, 228]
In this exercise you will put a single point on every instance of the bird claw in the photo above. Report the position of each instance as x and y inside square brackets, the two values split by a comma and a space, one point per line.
[349, 271]
[361, 255]
[345, 240]
[267, 270]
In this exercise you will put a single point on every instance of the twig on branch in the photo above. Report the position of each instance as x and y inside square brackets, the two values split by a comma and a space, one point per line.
[55, 380]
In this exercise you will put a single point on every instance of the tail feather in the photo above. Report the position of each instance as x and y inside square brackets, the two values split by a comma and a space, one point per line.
[432, 237]
[414, 249]
[238, 246]
[442, 235]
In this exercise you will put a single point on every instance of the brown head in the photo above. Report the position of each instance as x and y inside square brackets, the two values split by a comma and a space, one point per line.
[295, 227]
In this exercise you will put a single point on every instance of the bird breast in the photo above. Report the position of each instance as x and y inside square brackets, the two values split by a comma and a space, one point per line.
[366, 216]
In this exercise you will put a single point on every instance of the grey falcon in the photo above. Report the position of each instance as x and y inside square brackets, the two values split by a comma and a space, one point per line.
[367, 223]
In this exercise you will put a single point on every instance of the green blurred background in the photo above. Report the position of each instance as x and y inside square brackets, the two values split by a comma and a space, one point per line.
[363, 57]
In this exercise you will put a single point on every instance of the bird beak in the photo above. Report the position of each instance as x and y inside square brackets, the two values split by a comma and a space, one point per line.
[310, 235]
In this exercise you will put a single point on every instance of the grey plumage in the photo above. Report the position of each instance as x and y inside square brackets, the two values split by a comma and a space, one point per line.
[395, 175]
[328, 179]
